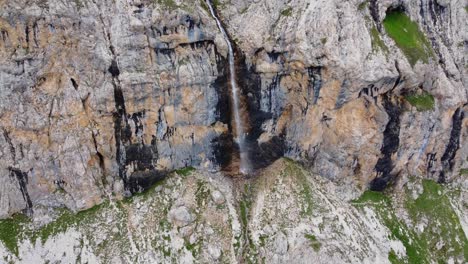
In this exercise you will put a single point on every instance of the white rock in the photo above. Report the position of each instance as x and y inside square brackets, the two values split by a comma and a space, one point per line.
[217, 197]
[180, 216]
[215, 252]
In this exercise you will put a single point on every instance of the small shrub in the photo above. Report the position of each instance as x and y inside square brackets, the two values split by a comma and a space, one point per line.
[287, 12]
[313, 242]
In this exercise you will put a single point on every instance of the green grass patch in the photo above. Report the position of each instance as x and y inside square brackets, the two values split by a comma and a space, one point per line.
[15, 229]
[416, 249]
[393, 258]
[443, 237]
[185, 171]
[422, 102]
[313, 242]
[287, 12]
[244, 212]
[66, 220]
[11, 231]
[443, 224]
[372, 197]
[464, 171]
[408, 37]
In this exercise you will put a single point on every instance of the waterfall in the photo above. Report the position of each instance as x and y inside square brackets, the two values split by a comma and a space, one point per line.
[240, 135]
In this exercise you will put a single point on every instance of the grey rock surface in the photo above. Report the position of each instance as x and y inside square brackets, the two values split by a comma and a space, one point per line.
[106, 97]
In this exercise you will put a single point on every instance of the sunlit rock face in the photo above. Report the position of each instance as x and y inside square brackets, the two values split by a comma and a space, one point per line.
[101, 98]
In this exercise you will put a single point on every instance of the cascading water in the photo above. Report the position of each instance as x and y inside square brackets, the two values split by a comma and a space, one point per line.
[240, 135]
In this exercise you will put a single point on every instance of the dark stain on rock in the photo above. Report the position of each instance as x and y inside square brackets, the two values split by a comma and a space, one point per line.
[315, 82]
[374, 11]
[74, 83]
[6, 135]
[453, 145]
[22, 178]
[249, 81]
[223, 149]
[389, 147]
[114, 69]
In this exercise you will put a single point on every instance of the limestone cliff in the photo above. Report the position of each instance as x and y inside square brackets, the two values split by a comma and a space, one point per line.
[104, 98]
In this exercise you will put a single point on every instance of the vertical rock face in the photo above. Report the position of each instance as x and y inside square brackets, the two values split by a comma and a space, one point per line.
[335, 86]
[101, 97]
[105, 96]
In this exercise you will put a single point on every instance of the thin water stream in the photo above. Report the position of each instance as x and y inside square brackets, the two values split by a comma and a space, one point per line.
[240, 133]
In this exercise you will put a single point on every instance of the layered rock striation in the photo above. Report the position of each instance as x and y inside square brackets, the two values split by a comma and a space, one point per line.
[102, 98]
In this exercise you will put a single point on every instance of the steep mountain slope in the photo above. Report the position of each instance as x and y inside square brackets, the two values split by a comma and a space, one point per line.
[286, 214]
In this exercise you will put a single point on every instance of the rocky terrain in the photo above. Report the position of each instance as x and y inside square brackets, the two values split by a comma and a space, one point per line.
[101, 100]
[285, 214]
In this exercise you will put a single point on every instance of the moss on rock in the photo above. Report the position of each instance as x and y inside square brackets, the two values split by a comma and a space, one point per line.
[408, 37]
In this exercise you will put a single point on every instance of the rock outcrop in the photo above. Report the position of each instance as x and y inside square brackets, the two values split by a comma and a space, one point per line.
[104, 98]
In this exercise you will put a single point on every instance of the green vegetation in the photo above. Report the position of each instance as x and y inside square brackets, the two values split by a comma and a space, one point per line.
[313, 242]
[287, 12]
[16, 228]
[393, 258]
[245, 204]
[442, 222]
[204, 6]
[294, 169]
[202, 193]
[194, 248]
[363, 5]
[464, 171]
[216, 3]
[408, 37]
[66, 220]
[185, 171]
[432, 209]
[323, 40]
[416, 250]
[373, 198]
[10, 231]
[79, 4]
[19, 227]
[167, 4]
[422, 102]
[377, 42]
